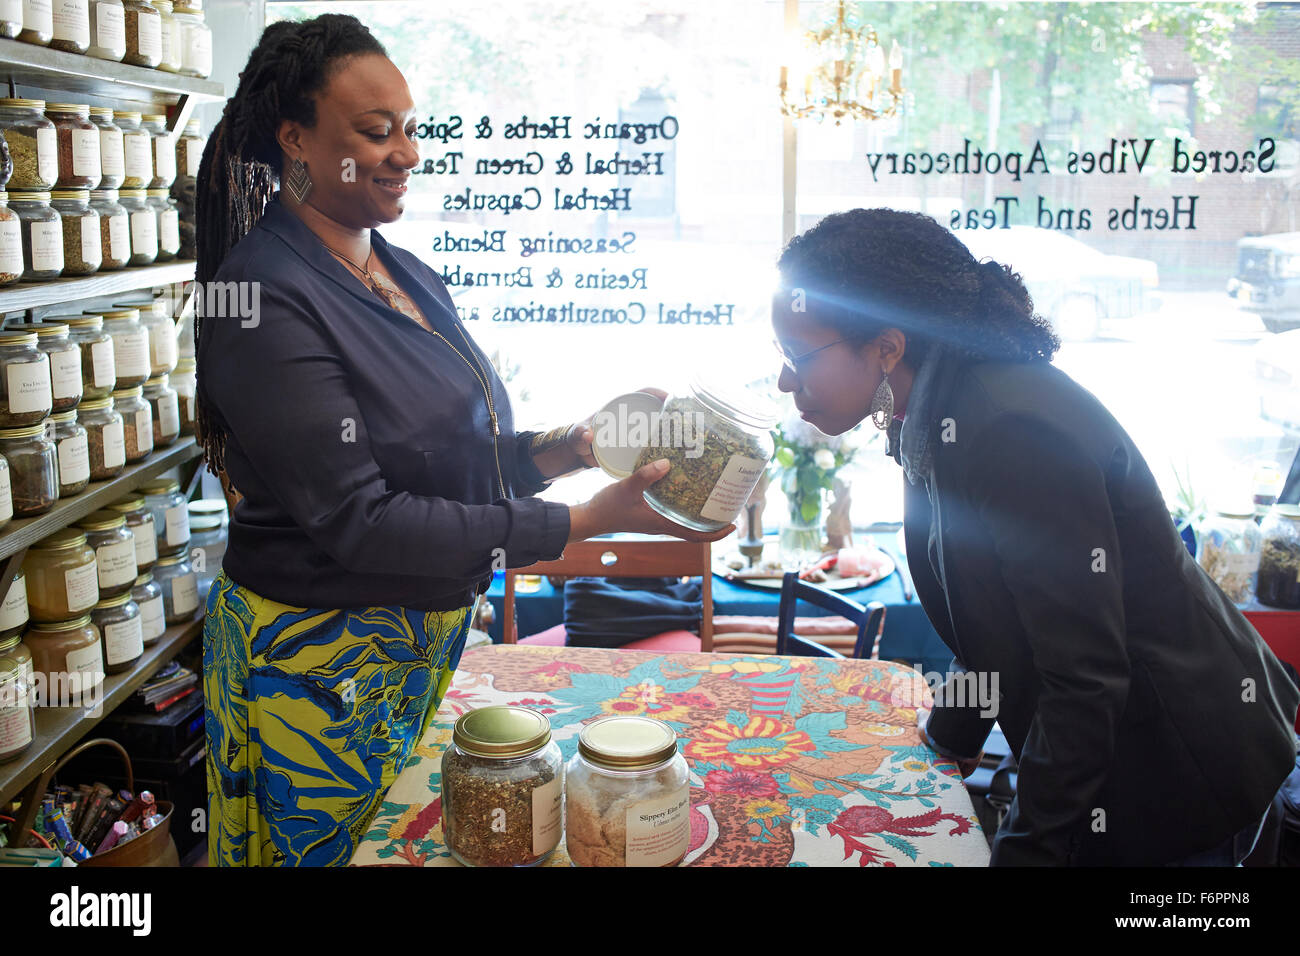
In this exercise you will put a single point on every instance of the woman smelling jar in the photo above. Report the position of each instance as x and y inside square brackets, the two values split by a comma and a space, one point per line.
[140, 520]
[114, 545]
[144, 226]
[65, 363]
[179, 588]
[107, 30]
[62, 581]
[67, 647]
[25, 394]
[118, 620]
[70, 438]
[33, 144]
[148, 597]
[33, 469]
[42, 232]
[164, 411]
[112, 166]
[171, 516]
[78, 146]
[80, 223]
[137, 422]
[105, 435]
[114, 229]
[11, 243]
[130, 347]
[98, 368]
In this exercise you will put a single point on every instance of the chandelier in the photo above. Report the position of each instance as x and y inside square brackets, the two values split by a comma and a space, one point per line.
[843, 73]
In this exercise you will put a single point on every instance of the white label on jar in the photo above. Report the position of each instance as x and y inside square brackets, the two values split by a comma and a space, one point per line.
[144, 428]
[123, 641]
[110, 28]
[102, 364]
[732, 490]
[88, 659]
[1235, 563]
[74, 460]
[85, 153]
[38, 15]
[29, 386]
[162, 343]
[47, 246]
[169, 415]
[116, 563]
[193, 155]
[136, 159]
[150, 33]
[72, 22]
[131, 353]
[47, 154]
[11, 10]
[111, 162]
[146, 545]
[15, 716]
[185, 594]
[65, 373]
[198, 50]
[11, 247]
[152, 621]
[169, 230]
[7, 500]
[114, 445]
[119, 238]
[546, 817]
[90, 251]
[170, 42]
[659, 831]
[144, 233]
[178, 525]
[82, 586]
[165, 157]
[13, 613]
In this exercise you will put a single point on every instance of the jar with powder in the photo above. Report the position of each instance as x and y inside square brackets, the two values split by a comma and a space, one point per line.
[162, 150]
[33, 144]
[169, 60]
[157, 321]
[81, 249]
[169, 235]
[196, 41]
[78, 146]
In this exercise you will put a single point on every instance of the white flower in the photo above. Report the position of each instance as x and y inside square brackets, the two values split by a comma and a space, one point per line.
[824, 458]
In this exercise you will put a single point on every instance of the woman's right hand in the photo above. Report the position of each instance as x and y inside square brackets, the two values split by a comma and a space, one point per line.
[622, 507]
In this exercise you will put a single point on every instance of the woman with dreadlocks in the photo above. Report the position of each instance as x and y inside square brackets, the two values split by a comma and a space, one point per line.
[372, 445]
[1151, 723]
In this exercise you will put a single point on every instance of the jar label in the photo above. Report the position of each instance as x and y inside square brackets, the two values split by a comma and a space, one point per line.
[193, 155]
[72, 22]
[144, 428]
[198, 52]
[14, 613]
[85, 153]
[169, 415]
[1234, 563]
[169, 230]
[47, 154]
[546, 816]
[733, 488]
[114, 445]
[169, 43]
[82, 586]
[74, 460]
[136, 159]
[102, 365]
[116, 563]
[150, 33]
[65, 373]
[15, 716]
[659, 831]
[146, 545]
[11, 10]
[119, 238]
[110, 140]
[11, 247]
[162, 344]
[164, 158]
[131, 353]
[29, 386]
[144, 233]
[47, 246]
[90, 251]
[123, 641]
[88, 659]
[178, 525]
[110, 30]
[152, 621]
[7, 502]
[185, 594]
[38, 15]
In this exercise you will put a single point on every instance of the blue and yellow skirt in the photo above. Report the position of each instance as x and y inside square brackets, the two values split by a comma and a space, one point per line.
[311, 714]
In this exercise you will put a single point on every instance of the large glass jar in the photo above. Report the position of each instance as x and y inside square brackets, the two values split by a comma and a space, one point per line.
[169, 60]
[17, 711]
[13, 612]
[33, 469]
[62, 581]
[143, 33]
[71, 19]
[171, 515]
[1229, 549]
[38, 22]
[164, 411]
[1279, 561]
[70, 437]
[112, 163]
[114, 229]
[196, 42]
[78, 146]
[33, 144]
[65, 363]
[11, 243]
[42, 232]
[25, 394]
[81, 249]
[627, 795]
[98, 368]
[118, 620]
[114, 545]
[162, 150]
[179, 586]
[169, 235]
[183, 381]
[66, 648]
[189, 150]
[207, 540]
[137, 422]
[105, 435]
[147, 594]
[157, 321]
[11, 18]
[130, 347]
[137, 151]
[140, 520]
[144, 226]
[502, 782]
[107, 30]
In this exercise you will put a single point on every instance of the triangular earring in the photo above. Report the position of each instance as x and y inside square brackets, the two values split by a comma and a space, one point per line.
[298, 182]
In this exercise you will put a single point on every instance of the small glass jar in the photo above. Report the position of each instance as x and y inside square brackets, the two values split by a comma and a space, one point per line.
[118, 620]
[180, 592]
[171, 515]
[137, 422]
[169, 61]
[144, 226]
[33, 469]
[79, 162]
[70, 438]
[6, 494]
[140, 520]
[71, 20]
[65, 363]
[137, 151]
[162, 150]
[130, 347]
[33, 144]
[189, 150]
[147, 595]
[169, 234]
[112, 163]
[17, 710]
[164, 411]
[11, 18]
[196, 42]
[13, 612]
[105, 434]
[183, 381]
[25, 394]
[62, 582]
[38, 22]
[1278, 583]
[114, 229]
[11, 243]
[42, 232]
[207, 540]
[98, 365]
[66, 648]
[502, 781]
[143, 33]
[1229, 546]
[157, 321]
[627, 795]
[81, 249]
[107, 31]
[114, 545]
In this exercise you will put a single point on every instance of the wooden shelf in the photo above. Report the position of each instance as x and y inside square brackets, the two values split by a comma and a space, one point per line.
[33, 295]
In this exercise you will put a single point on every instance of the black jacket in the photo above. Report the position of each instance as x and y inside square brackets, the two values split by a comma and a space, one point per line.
[360, 441]
[1149, 718]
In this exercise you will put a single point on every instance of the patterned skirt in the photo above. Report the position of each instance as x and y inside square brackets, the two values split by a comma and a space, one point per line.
[310, 716]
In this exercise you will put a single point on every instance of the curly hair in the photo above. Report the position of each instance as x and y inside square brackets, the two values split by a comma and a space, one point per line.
[867, 270]
[292, 62]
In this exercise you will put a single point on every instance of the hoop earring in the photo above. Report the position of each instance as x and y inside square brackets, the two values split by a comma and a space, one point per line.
[298, 182]
[882, 405]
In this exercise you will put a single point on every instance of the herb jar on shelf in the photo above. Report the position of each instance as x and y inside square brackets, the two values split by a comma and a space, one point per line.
[17, 711]
[11, 18]
[112, 163]
[13, 611]
[189, 150]
[33, 144]
[52, 338]
[137, 422]
[137, 151]
[33, 469]
[171, 516]
[98, 368]
[162, 150]
[183, 380]
[148, 598]
[79, 164]
[73, 453]
[1229, 547]
[179, 586]
[169, 60]
[81, 248]
[25, 394]
[196, 41]
[62, 581]
[130, 347]
[502, 782]
[118, 620]
[67, 647]
[164, 411]
[11, 243]
[169, 235]
[140, 520]
[107, 30]
[143, 33]
[114, 230]
[71, 21]
[105, 434]
[1278, 582]
[38, 22]
[144, 226]
[42, 233]
[114, 545]
[157, 321]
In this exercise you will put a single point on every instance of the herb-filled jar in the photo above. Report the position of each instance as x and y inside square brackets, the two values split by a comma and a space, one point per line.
[137, 151]
[33, 144]
[114, 229]
[171, 515]
[164, 411]
[13, 612]
[42, 232]
[137, 422]
[98, 367]
[627, 795]
[17, 712]
[105, 434]
[81, 248]
[1278, 583]
[71, 21]
[11, 18]
[140, 520]
[107, 30]
[162, 150]
[25, 394]
[207, 540]
[78, 146]
[157, 321]
[1229, 550]
[169, 235]
[11, 243]
[144, 226]
[6, 494]
[33, 469]
[502, 782]
[114, 545]
[143, 33]
[147, 595]
[189, 150]
[118, 620]
[71, 439]
[196, 42]
[169, 60]
[67, 647]
[62, 581]
[179, 586]
[38, 22]
[183, 380]
[112, 166]
[52, 338]
[130, 347]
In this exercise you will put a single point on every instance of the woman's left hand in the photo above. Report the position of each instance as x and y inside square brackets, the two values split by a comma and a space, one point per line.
[575, 451]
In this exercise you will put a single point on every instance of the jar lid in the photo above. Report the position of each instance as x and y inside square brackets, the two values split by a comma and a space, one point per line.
[113, 601]
[38, 195]
[102, 520]
[157, 381]
[87, 320]
[153, 117]
[146, 578]
[102, 111]
[64, 418]
[162, 486]
[116, 314]
[54, 626]
[9, 643]
[17, 337]
[627, 743]
[192, 128]
[131, 116]
[206, 514]
[78, 195]
[103, 195]
[192, 11]
[127, 393]
[81, 108]
[156, 193]
[620, 431]
[23, 103]
[1291, 512]
[131, 194]
[502, 731]
[170, 559]
[129, 503]
[63, 538]
[741, 404]
[94, 404]
[47, 329]
[29, 431]
[162, 4]
[185, 365]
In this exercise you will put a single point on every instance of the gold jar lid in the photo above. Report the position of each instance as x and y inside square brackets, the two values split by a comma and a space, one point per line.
[103, 112]
[153, 118]
[60, 540]
[46, 329]
[124, 394]
[627, 743]
[9, 643]
[23, 103]
[501, 731]
[55, 626]
[102, 520]
[131, 194]
[39, 195]
[146, 578]
[192, 128]
[170, 559]
[156, 193]
[185, 365]
[160, 486]
[113, 601]
[75, 195]
[17, 337]
[131, 116]
[30, 431]
[94, 404]
[157, 381]
[129, 503]
[65, 418]
[82, 108]
[122, 313]
[87, 320]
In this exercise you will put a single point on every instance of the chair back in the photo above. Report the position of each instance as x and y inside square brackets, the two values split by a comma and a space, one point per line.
[869, 619]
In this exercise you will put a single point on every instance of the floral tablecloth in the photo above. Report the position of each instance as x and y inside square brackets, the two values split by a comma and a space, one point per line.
[795, 761]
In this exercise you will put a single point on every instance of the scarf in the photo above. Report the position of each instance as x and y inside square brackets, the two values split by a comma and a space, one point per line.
[910, 441]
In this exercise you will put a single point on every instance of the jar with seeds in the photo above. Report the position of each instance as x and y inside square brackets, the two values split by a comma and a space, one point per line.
[81, 248]
[52, 338]
[71, 22]
[33, 469]
[107, 30]
[143, 33]
[98, 369]
[11, 243]
[114, 229]
[38, 22]
[78, 146]
[73, 450]
[105, 436]
[25, 394]
[111, 161]
[137, 146]
[137, 422]
[42, 234]
[144, 226]
[33, 144]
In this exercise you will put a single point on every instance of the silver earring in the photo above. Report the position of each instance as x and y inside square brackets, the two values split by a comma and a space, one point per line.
[298, 182]
[882, 405]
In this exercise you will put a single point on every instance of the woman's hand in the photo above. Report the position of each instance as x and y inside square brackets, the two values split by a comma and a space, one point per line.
[574, 450]
[622, 507]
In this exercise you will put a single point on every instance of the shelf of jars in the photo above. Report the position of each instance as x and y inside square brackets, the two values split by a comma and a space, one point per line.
[22, 296]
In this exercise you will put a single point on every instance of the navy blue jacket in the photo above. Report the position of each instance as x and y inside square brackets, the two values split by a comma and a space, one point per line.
[361, 442]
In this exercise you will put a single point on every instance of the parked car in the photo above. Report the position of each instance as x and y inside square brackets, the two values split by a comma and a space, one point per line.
[1267, 281]
[1277, 377]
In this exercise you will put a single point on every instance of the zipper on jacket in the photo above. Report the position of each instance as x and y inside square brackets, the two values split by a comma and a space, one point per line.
[481, 375]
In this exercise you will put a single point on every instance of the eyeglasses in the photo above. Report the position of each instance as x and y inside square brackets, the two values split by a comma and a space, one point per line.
[792, 361]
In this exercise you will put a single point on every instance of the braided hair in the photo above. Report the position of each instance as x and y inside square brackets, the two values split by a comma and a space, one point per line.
[292, 62]
[866, 270]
